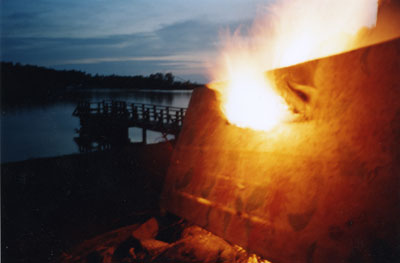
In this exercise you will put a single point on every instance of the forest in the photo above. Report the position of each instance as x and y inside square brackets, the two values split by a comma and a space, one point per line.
[27, 83]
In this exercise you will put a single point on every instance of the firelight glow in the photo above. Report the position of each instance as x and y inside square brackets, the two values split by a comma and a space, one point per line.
[291, 32]
[259, 99]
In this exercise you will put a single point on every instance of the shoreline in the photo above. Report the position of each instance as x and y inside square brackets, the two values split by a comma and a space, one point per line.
[81, 155]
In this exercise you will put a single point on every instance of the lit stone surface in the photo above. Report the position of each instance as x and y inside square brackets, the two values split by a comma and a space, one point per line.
[322, 189]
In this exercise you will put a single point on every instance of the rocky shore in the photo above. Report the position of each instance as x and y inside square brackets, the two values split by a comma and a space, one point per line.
[161, 239]
[100, 207]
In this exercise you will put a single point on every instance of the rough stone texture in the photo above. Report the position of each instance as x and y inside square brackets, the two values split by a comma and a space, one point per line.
[147, 230]
[324, 188]
[153, 247]
[193, 245]
[100, 249]
[198, 245]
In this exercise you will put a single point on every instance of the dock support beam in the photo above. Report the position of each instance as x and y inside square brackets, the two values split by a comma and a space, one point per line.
[144, 135]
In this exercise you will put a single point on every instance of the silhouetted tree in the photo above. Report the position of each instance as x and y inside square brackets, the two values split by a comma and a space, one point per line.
[24, 83]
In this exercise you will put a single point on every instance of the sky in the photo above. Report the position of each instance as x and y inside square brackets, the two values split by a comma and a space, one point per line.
[123, 37]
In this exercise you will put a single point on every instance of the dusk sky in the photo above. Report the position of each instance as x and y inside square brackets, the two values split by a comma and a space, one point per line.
[124, 37]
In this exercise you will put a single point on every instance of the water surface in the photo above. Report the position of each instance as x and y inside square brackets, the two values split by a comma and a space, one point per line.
[48, 129]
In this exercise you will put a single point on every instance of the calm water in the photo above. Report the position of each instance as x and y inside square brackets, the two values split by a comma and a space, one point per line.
[48, 130]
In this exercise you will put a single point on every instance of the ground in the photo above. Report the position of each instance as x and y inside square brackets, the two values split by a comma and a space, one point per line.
[51, 204]
[100, 207]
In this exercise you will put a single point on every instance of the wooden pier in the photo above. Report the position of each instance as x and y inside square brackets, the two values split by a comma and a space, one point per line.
[115, 117]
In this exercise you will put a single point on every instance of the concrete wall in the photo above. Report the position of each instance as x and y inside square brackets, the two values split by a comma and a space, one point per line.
[324, 188]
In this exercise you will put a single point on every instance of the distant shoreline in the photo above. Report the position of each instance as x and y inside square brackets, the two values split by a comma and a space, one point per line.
[131, 89]
[33, 84]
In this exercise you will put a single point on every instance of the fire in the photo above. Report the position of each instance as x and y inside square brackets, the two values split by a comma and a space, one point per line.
[259, 107]
[289, 32]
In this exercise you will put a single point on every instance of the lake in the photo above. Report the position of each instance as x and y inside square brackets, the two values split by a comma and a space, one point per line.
[47, 130]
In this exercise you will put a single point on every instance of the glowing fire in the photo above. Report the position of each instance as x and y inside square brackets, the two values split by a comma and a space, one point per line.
[290, 32]
[259, 107]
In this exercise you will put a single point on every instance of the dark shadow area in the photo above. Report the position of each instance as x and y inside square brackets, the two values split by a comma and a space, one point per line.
[50, 204]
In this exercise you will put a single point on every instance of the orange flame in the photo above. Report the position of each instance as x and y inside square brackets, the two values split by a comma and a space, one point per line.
[291, 31]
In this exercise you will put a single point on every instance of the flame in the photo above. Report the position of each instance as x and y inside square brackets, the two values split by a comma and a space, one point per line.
[289, 32]
[259, 107]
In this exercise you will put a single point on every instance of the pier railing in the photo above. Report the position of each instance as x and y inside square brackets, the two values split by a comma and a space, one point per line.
[122, 115]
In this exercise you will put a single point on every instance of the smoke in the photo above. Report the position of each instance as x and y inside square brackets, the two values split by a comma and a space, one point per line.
[387, 27]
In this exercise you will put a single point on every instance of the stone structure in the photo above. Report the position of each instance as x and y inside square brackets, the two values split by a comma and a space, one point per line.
[324, 188]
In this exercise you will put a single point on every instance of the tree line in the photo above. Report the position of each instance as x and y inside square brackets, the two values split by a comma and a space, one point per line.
[28, 82]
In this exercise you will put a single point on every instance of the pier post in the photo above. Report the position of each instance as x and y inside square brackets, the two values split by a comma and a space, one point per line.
[144, 135]
[109, 117]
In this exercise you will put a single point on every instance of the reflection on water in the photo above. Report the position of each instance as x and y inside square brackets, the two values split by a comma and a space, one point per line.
[169, 98]
[48, 129]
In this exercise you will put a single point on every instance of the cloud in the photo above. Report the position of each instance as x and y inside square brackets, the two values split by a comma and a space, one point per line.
[22, 16]
[91, 18]
[178, 58]
[170, 35]
[182, 47]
